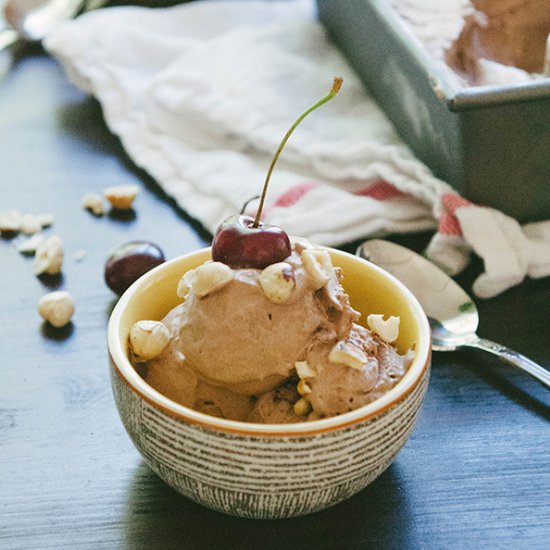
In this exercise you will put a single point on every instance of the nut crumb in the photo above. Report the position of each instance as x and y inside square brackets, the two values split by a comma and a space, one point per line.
[79, 255]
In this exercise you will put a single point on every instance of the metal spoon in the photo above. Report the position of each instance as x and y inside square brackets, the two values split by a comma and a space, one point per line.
[33, 20]
[452, 313]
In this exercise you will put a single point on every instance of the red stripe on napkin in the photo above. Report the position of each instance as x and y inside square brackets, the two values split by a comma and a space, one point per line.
[290, 197]
[448, 223]
[294, 194]
[380, 190]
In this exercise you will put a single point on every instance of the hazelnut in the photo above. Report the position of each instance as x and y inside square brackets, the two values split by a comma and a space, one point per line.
[277, 282]
[205, 279]
[56, 308]
[149, 339]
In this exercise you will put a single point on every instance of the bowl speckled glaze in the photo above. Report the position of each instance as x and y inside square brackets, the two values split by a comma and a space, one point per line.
[269, 470]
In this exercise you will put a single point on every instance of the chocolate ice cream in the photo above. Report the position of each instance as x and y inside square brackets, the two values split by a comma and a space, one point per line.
[512, 33]
[484, 42]
[276, 345]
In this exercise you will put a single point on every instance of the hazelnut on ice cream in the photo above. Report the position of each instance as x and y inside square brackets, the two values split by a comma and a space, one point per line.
[273, 345]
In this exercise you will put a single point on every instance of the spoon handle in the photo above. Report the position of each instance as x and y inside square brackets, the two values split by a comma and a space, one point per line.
[514, 358]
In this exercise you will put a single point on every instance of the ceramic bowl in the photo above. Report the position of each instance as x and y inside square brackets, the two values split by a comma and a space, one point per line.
[269, 470]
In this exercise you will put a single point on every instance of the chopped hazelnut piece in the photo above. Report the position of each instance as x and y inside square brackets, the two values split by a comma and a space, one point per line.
[388, 329]
[49, 256]
[29, 246]
[121, 197]
[94, 203]
[348, 354]
[10, 221]
[30, 224]
[317, 265]
[303, 387]
[304, 370]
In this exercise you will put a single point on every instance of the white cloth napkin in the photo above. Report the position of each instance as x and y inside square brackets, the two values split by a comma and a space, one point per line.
[201, 94]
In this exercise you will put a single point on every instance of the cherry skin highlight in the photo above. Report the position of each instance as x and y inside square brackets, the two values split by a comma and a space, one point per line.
[237, 243]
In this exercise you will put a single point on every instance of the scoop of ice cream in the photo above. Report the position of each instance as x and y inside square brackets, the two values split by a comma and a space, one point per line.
[338, 387]
[238, 338]
[170, 375]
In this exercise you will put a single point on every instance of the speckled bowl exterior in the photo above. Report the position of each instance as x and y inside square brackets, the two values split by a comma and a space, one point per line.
[269, 470]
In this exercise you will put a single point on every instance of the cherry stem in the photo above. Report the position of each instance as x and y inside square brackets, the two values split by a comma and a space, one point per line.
[336, 85]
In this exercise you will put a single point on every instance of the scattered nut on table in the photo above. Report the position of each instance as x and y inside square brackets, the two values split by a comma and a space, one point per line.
[30, 224]
[56, 308]
[121, 197]
[29, 245]
[45, 219]
[49, 256]
[149, 339]
[10, 221]
[94, 203]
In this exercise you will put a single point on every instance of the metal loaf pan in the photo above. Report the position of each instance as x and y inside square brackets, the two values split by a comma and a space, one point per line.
[492, 144]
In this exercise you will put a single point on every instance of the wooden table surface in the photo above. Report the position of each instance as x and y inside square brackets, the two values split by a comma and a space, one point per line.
[475, 473]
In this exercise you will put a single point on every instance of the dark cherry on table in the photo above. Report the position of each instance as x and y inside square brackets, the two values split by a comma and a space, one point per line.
[474, 474]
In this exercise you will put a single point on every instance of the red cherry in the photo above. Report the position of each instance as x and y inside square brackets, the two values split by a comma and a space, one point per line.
[242, 241]
[127, 263]
[239, 244]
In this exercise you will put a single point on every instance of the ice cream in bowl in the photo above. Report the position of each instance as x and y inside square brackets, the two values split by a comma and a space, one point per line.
[266, 376]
